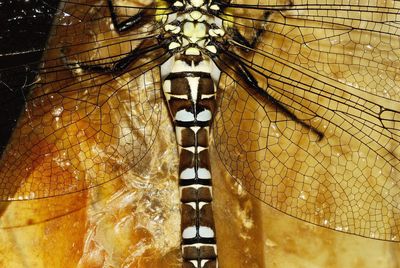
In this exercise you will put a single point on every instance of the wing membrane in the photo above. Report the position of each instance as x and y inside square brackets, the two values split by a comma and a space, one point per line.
[334, 67]
[83, 123]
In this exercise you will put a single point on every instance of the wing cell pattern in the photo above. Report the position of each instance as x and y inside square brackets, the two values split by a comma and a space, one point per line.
[308, 122]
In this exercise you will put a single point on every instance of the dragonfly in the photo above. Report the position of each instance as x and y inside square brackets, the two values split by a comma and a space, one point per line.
[300, 99]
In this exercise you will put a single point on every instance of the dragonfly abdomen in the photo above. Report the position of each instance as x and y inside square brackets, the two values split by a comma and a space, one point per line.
[190, 93]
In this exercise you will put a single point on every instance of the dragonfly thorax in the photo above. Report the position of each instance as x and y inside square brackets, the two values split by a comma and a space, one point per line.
[193, 28]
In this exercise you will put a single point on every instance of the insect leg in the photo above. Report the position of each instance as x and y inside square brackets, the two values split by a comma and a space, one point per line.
[117, 66]
[126, 24]
[238, 37]
[252, 82]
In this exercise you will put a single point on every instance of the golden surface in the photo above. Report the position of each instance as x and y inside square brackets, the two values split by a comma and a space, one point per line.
[133, 221]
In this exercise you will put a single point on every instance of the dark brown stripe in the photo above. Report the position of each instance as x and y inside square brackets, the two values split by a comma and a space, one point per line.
[188, 182]
[192, 124]
[188, 74]
[199, 240]
[190, 194]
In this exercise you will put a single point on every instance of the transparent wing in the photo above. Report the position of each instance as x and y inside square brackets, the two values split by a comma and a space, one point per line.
[84, 122]
[333, 157]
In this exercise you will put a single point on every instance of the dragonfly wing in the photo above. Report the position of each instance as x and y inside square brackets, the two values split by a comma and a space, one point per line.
[337, 78]
[84, 123]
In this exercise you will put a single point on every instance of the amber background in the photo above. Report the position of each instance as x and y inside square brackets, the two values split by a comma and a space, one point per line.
[133, 221]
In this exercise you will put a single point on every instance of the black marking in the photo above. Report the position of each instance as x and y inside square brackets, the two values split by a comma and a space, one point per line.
[187, 74]
[198, 239]
[188, 182]
[126, 24]
[192, 123]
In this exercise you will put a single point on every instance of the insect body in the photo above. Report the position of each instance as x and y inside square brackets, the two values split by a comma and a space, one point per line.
[302, 100]
[190, 81]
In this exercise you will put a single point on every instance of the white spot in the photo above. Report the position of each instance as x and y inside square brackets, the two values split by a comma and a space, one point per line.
[188, 174]
[192, 51]
[196, 15]
[201, 204]
[203, 173]
[184, 116]
[189, 232]
[214, 7]
[200, 149]
[191, 204]
[203, 262]
[207, 96]
[194, 87]
[204, 116]
[178, 4]
[194, 31]
[216, 32]
[189, 149]
[172, 28]
[195, 129]
[173, 45]
[206, 232]
[212, 49]
[218, 22]
[196, 3]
